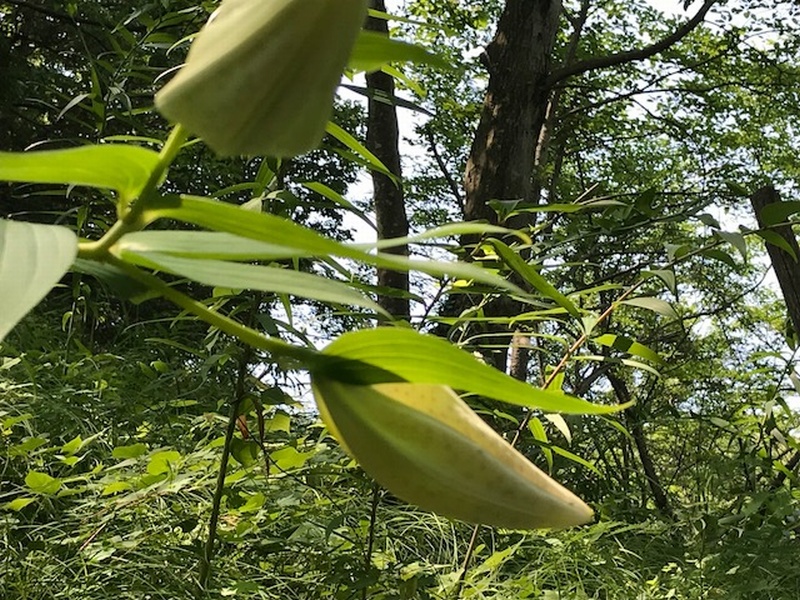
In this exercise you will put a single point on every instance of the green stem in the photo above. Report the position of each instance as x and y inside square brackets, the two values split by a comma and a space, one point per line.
[247, 335]
[208, 551]
[131, 220]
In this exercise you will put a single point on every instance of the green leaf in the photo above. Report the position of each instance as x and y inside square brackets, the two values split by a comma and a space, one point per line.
[629, 346]
[575, 458]
[275, 230]
[418, 358]
[719, 255]
[560, 424]
[776, 239]
[260, 77]
[115, 487]
[32, 259]
[532, 276]
[119, 282]
[42, 483]
[665, 275]
[735, 239]
[245, 452]
[19, 503]
[737, 189]
[540, 435]
[204, 244]
[27, 446]
[372, 50]
[163, 462]
[335, 197]
[131, 451]
[657, 305]
[289, 458]
[359, 149]
[253, 277]
[72, 446]
[110, 166]
[778, 212]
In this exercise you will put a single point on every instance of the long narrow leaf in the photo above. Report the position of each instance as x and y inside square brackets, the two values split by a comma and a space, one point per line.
[420, 358]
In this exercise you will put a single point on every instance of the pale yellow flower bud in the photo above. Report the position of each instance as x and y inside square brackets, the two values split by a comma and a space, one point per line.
[260, 77]
[425, 445]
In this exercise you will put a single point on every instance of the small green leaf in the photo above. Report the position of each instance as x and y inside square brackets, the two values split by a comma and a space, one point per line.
[735, 239]
[254, 502]
[245, 452]
[779, 212]
[72, 446]
[32, 259]
[289, 458]
[776, 239]
[719, 255]
[115, 487]
[665, 275]
[26, 446]
[372, 50]
[42, 483]
[629, 346]
[163, 462]
[657, 305]
[359, 149]
[540, 435]
[110, 166]
[560, 424]
[131, 451]
[279, 422]
[737, 189]
[19, 503]
[532, 276]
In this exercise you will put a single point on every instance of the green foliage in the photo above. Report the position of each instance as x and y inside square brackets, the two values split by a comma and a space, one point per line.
[125, 426]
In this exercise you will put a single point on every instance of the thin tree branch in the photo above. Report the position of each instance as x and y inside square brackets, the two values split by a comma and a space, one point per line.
[621, 58]
[55, 14]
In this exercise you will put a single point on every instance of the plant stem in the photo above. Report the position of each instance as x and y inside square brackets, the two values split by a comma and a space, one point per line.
[224, 323]
[130, 219]
[208, 551]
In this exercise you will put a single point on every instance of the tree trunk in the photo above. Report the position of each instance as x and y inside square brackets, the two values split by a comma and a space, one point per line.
[637, 433]
[514, 108]
[787, 269]
[389, 201]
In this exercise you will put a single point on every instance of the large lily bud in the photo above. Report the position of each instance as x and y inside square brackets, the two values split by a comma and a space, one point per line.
[261, 75]
[425, 445]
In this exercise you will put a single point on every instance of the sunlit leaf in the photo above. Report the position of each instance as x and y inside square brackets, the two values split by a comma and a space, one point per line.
[32, 259]
[657, 305]
[372, 50]
[113, 166]
[420, 358]
[629, 346]
[254, 277]
[42, 483]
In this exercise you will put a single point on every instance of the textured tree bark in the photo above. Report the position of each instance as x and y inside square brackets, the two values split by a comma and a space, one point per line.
[501, 160]
[388, 197]
[787, 270]
[637, 433]
[518, 59]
